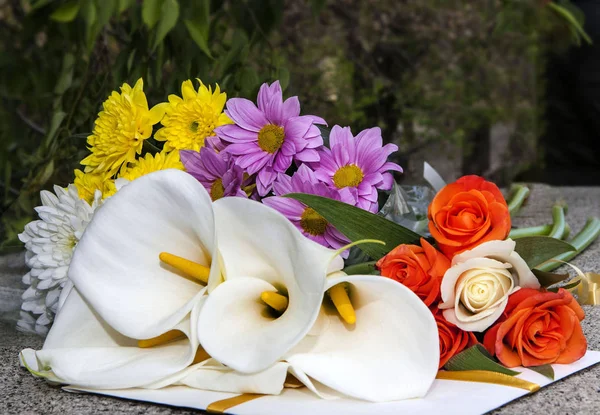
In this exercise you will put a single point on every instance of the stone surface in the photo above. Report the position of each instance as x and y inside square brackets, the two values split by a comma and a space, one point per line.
[21, 393]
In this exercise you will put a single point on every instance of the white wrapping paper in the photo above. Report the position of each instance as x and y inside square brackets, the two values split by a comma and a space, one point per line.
[446, 396]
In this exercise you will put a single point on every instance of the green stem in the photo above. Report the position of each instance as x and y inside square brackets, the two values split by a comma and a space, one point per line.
[582, 240]
[362, 268]
[558, 222]
[567, 231]
[532, 231]
[520, 193]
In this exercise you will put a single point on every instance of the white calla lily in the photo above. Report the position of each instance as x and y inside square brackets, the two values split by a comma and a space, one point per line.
[83, 350]
[116, 265]
[391, 353]
[267, 253]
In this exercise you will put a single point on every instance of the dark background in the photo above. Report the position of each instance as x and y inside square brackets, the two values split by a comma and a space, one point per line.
[506, 89]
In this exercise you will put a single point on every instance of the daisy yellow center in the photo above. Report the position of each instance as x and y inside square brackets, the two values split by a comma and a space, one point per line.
[348, 176]
[312, 222]
[217, 190]
[270, 138]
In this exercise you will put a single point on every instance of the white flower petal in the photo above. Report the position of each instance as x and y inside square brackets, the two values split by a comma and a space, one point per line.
[453, 273]
[264, 251]
[391, 353]
[83, 350]
[269, 382]
[503, 251]
[116, 265]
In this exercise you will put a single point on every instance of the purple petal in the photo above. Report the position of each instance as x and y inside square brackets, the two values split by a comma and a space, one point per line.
[308, 156]
[387, 182]
[243, 149]
[296, 127]
[266, 93]
[245, 114]
[235, 134]
[254, 162]
[264, 181]
[282, 163]
[275, 110]
[291, 108]
[290, 208]
[288, 148]
[282, 185]
[392, 166]
[317, 120]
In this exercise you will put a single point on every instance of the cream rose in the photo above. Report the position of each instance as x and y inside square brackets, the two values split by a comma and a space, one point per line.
[476, 287]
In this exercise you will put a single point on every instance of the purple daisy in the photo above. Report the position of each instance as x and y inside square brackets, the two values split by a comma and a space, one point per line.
[312, 225]
[216, 171]
[358, 164]
[265, 140]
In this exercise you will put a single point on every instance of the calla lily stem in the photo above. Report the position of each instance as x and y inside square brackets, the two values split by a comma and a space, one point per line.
[364, 268]
[582, 240]
[520, 193]
[543, 230]
[558, 219]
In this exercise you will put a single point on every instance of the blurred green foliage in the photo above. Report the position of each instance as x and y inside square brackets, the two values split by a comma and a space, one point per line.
[421, 69]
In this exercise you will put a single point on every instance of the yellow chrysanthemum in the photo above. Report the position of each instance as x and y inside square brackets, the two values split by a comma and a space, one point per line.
[149, 163]
[120, 129]
[88, 183]
[190, 120]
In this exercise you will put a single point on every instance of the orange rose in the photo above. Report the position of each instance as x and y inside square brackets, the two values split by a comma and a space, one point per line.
[466, 213]
[539, 327]
[452, 339]
[420, 268]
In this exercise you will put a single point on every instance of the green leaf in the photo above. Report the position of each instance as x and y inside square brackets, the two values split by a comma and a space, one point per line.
[248, 80]
[358, 224]
[536, 250]
[151, 10]
[198, 35]
[284, 78]
[168, 19]
[65, 79]
[66, 13]
[545, 370]
[124, 5]
[547, 279]
[476, 358]
[566, 286]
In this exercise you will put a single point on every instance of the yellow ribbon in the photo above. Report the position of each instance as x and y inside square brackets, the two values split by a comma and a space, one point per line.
[221, 406]
[588, 290]
[486, 376]
[483, 376]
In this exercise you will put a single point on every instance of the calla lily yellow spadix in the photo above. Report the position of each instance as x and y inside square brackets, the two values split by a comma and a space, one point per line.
[275, 300]
[190, 268]
[171, 335]
[342, 303]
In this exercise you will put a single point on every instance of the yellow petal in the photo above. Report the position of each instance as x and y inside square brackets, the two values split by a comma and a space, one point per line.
[157, 113]
[187, 90]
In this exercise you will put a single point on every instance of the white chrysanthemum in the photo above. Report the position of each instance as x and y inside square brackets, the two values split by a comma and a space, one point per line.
[50, 242]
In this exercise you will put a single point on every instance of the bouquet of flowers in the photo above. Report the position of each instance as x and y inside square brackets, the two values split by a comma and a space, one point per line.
[210, 253]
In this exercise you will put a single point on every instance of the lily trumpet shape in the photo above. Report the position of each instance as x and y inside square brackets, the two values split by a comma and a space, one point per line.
[267, 254]
[390, 353]
[125, 295]
[81, 349]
